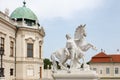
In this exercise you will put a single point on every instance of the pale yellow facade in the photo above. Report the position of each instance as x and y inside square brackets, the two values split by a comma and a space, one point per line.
[47, 74]
[107, 71]
[24, 67]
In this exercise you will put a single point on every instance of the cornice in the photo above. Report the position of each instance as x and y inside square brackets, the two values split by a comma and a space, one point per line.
[7, 23]
[39, 31]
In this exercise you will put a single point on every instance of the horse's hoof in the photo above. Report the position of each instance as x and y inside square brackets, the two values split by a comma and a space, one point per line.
[68, 71]
[54, 71]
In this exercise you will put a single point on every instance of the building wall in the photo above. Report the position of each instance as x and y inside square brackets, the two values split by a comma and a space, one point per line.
[47, 74]
[7, 31]
[23, 62]
[26, 68]
[102, 67]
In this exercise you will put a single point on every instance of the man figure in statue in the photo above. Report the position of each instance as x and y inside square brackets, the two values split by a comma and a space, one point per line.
[72, 49]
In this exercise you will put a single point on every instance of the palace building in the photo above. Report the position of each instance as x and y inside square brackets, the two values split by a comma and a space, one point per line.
[106, 65]
[21, 37]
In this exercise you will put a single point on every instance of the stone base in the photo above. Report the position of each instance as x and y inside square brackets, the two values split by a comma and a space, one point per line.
[75, 75]
[2, 78]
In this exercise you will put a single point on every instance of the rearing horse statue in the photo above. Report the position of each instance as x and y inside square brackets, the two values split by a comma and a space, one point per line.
[79, 48]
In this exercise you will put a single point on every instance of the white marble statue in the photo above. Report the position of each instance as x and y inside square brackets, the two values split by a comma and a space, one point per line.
[74, 50]
[79, 38]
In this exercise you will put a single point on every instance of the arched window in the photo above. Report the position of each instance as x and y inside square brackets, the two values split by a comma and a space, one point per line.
[29, 49]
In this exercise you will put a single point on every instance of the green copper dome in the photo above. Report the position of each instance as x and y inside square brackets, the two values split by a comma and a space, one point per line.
[23, 12]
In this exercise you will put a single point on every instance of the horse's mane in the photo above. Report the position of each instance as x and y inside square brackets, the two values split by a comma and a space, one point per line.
[78, 31]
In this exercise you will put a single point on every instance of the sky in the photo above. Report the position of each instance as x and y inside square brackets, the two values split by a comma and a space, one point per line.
[61, 17]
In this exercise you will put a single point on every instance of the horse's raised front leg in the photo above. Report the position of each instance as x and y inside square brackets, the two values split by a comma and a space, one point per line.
[92, 46]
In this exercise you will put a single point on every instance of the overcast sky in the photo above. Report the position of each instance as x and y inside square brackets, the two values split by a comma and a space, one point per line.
[59, 17]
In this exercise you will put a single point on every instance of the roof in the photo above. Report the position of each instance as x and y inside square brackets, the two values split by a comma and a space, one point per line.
[102, 54]
[103, 57]
[23, 12]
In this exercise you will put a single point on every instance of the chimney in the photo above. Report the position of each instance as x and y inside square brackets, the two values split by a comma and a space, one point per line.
[117, 50]
[101, 50]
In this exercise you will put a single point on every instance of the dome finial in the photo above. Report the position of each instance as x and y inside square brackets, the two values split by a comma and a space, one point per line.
[24, 3]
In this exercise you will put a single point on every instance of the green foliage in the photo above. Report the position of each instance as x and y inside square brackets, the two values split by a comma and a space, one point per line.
[47, 63]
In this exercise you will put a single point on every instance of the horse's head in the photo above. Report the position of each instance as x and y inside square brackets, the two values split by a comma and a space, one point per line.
[82, 30]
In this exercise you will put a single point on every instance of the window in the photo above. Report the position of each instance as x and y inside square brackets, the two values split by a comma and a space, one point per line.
[30, 22]
[29, 50]
[2, 43]
[2, 72]
[30, 72]
[40, 52]
[11, 72]
[94, 69]
[100, 71]
[116, 70]
[11, 48]
[107, 70]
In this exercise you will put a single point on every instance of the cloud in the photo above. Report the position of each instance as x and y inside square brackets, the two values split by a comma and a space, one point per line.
[64, 8]
[53, 8]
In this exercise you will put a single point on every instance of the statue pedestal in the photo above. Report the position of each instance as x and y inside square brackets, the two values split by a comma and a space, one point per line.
[2, 78]
[75, 75]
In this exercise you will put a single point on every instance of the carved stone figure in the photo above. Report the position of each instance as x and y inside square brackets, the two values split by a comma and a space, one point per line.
[74, 50]
[80, 41]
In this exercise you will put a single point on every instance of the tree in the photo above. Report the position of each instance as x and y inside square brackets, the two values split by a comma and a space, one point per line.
[47, 63]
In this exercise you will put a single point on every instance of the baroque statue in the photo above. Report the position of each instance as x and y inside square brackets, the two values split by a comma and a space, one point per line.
[73, 51]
